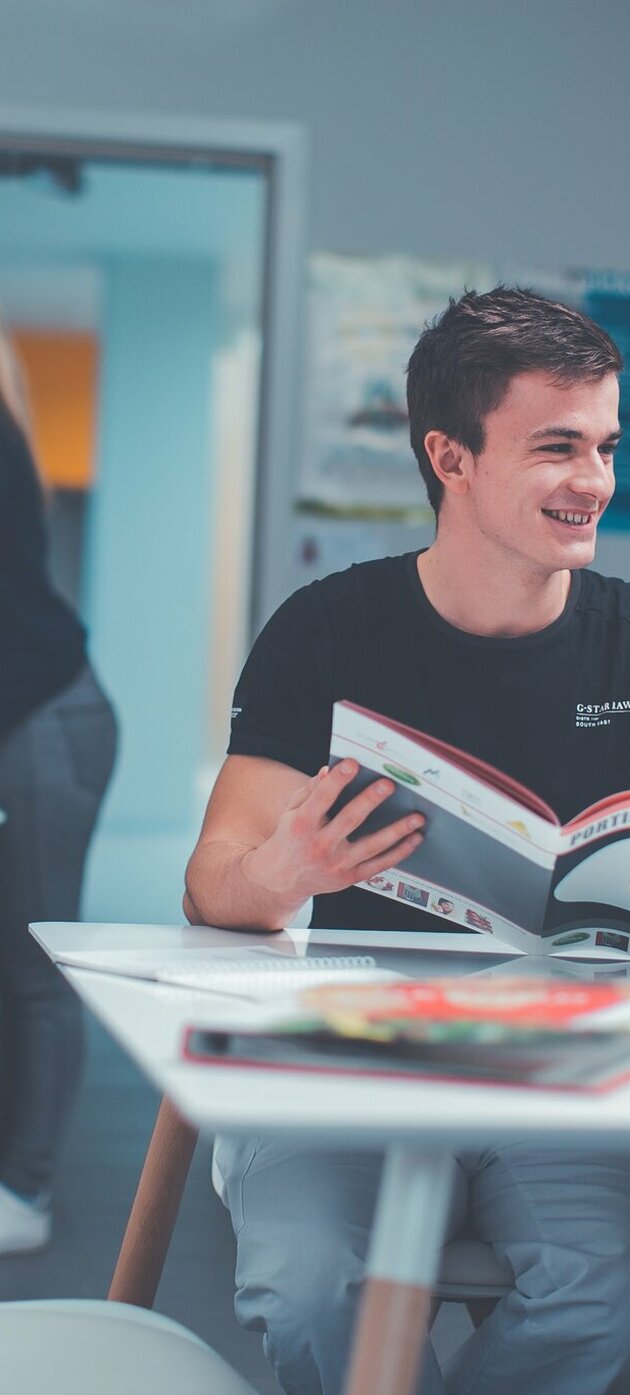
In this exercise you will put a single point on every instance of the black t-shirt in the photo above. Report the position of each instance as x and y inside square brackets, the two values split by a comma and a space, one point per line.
[541, 707]
[42, 644]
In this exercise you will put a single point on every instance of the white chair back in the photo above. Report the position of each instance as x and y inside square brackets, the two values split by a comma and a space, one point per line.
[85, 1347]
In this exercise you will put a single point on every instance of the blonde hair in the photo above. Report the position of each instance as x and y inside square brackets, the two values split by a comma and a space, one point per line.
[14, 398]
[13, 389]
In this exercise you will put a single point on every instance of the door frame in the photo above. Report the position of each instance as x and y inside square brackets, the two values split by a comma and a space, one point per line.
[280, 151]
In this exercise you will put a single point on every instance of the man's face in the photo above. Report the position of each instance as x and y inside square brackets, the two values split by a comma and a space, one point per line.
[548, 453]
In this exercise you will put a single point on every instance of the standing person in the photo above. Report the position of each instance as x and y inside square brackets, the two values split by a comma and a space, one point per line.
[57, 741]
[491, 640]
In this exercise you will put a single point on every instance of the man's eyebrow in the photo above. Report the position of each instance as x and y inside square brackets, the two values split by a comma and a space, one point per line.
[569, 433]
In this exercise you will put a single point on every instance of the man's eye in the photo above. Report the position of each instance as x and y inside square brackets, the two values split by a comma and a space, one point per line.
[557, 448]
[608, 450]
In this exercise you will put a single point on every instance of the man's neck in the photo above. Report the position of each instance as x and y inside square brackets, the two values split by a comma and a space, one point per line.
[493, 600]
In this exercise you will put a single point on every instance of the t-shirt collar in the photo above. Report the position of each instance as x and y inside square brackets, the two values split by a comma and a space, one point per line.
[549, 634]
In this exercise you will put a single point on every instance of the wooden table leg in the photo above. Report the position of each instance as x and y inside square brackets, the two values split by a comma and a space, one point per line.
[154, 1212]
[402, 1268]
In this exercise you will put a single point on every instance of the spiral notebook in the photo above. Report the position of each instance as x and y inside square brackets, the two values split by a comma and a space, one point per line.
[256, 973]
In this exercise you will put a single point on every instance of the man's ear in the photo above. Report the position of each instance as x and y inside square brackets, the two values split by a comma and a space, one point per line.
[451, 461]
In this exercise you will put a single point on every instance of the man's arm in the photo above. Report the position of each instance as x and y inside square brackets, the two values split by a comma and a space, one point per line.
[267, 843]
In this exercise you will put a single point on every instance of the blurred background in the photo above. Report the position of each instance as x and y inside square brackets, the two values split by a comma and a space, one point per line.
[193, 205]
[222, 225]
[133, 293]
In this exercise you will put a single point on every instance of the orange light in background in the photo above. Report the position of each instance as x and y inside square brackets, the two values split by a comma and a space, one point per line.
[61, 370]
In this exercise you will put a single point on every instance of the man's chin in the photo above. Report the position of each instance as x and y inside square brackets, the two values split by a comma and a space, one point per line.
[576, 552]
[578, 563]
[580, 554]
[567, 559]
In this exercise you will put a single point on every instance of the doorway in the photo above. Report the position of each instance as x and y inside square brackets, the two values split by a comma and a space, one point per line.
[151, 282]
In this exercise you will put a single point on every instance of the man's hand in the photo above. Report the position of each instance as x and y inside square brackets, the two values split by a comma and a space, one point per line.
[309, 854]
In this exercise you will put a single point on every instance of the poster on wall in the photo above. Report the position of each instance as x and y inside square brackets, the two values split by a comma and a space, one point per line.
[364, 317]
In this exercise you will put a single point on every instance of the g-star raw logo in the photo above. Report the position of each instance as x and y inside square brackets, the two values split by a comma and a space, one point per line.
[600, 714]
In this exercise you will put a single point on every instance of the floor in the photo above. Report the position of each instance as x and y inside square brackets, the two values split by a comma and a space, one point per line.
[103, 1154]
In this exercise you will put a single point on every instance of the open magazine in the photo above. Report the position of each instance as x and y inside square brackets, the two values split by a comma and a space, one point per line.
[510, 1031]
[494, 856]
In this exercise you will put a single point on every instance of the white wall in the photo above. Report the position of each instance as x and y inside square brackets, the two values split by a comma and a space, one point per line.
[494, 128]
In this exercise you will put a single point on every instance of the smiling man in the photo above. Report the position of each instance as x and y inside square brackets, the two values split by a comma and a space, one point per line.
[497, 640]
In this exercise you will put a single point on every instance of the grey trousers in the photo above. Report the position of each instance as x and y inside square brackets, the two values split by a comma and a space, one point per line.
[54, 769]
[559, 1219]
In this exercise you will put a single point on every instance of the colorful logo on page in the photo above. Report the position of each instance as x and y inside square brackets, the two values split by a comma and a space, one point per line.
[398, 773]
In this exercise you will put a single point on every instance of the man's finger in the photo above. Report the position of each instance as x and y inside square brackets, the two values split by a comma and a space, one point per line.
[389, 859]
[302, 793]
[356, 811]
[326, 790]
[382, 842]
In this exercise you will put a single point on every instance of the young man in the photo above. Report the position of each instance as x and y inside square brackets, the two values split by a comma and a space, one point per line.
[490, 639]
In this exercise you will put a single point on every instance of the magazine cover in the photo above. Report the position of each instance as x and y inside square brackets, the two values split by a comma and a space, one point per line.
[503, 1030]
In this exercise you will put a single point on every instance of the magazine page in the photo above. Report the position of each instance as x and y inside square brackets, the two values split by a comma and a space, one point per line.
[485, 862]
[588, 912]
[488, 775]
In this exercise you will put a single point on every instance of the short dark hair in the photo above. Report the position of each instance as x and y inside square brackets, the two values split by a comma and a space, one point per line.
[464, 361]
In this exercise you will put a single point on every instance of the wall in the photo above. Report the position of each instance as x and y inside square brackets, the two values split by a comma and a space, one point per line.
[495, 128]
[148, 589]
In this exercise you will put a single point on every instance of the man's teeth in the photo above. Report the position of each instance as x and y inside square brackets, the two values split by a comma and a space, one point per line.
[568, 517]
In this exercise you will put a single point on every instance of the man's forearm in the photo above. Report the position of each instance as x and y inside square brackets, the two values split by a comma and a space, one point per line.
[220, 891]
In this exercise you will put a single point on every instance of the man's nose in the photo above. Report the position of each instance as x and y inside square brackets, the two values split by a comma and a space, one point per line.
[593, 480]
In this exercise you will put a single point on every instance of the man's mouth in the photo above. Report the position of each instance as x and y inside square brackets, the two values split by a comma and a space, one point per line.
[577, 520]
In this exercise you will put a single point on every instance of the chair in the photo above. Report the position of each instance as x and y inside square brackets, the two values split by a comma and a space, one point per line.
[71, 1346]
[470, 1273]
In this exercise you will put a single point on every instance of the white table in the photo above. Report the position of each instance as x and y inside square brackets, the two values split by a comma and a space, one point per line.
[417, 1123]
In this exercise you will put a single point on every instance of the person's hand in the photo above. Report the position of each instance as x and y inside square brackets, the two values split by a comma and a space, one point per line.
[309, 853]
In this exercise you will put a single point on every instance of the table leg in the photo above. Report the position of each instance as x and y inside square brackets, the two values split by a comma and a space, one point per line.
[154, 1211]
[402, 1267]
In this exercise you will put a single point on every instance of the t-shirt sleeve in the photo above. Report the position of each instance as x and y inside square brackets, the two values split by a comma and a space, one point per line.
[283, 699]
